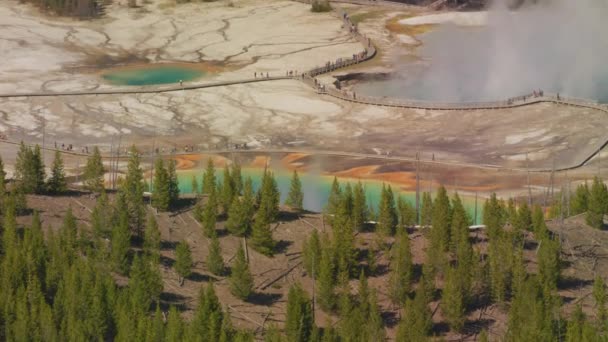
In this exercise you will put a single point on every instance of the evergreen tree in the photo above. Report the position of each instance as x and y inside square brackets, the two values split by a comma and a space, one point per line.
[599, 294]
[239, 219]
[538, 223]
[299, 323]
[183, 261]
[94, 171]
[194, 185]
[261, 238]
[209, 319]
[312, 253]
[152, 240]
[237, 179]
[209, 178]
[426, 209]
[295, 198]
[531, 315]
[210, 214]
[580, 200]
[333, 201]
[174, 329]
[227, 193]
[453, 300]
[440, 231]
[401, 269]
[524, 218]
[359, 207]
[325, 281]
[173, 183]
[269, 197]
[549, 262]
[160, 195]
[121, 242]
[29, 169]
[241, 281]
[598, 202]
[215, 261]
[2, 180]
[133, 189]
[407, 214]
[57, 183]
[387, 217]
[416, 322]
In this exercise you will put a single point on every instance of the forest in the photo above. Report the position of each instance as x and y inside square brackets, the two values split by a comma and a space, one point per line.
[73, 8]
[103, 282]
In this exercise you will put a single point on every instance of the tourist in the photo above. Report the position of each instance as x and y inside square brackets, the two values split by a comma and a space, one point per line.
[255, 74]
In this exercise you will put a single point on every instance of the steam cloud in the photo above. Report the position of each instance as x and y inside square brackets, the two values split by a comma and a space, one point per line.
[554, 45]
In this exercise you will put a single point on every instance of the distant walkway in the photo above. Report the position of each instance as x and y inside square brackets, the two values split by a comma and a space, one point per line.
[124, 155]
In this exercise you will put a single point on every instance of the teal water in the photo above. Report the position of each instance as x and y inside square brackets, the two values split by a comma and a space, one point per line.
[317, 187]
[152, 74]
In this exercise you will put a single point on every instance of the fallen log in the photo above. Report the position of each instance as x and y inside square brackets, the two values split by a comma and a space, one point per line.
[281, 275]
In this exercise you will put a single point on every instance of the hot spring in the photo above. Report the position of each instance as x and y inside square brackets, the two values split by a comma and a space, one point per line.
[152, 74]
[558, 46]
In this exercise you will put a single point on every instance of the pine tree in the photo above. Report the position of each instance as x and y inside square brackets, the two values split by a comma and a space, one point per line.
[295, 198]
[239, 220]
[133, 189]
[241, 281]
[375, 326]
[387, 217]
[299, 323]
[538, 223]
[599, 294]
[333, 201]
[215, 261]
[261, 237]
[29, 169]
[401, 267]
[426, 209]
[269, 197]
[524, 218]
[121, 242]
[2, 180]
[152, 240]
[407, 214]
[549, 262]
[312, 253]
[173, 183]
[209, 178]
[94, 171]
[416, 322]
[57, 183]
[598, 202]
[175, 326]
[208, 317]
[359, 207]
[237, 179]
[194, 185]
[227, 192]
[210, 215]
[453, 300]
[325, 281]
[580, 200]
[183, 261]
[160, 195]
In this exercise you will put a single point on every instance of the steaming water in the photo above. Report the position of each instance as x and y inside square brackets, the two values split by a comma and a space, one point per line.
[559, 46]
[317, 187]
